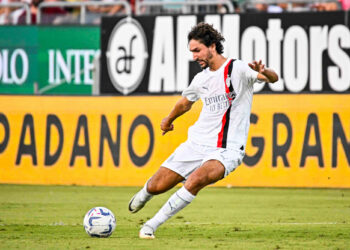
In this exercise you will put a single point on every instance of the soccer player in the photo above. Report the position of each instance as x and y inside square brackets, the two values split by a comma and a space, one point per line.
[216, 142]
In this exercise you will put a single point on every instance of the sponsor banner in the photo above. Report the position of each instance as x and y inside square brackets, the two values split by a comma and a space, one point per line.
[149, 54]
[294, 140]
[48, 60]
[18, 50]
[66, 59]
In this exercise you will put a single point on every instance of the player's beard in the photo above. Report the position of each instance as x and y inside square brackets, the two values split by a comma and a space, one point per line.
[205, 61]
[204, 65]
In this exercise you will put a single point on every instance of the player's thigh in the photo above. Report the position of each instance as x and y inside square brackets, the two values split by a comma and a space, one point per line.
[163, 180]
[210, 172]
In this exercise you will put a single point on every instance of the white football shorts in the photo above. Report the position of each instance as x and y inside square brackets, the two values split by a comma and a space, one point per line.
[190, 156]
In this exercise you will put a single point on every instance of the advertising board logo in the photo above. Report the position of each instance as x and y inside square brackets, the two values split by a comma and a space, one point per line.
[127, 55]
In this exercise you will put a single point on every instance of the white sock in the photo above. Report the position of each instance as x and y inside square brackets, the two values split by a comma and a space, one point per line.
[143, 194]
[176, 202]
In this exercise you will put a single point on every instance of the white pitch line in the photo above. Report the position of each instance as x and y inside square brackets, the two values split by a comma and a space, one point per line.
[55, 224]
[257, 223]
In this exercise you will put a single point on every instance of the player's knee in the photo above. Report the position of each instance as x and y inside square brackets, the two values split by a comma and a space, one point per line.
[195, 183]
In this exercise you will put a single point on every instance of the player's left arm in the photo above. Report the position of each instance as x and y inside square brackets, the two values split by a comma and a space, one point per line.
[264, 74]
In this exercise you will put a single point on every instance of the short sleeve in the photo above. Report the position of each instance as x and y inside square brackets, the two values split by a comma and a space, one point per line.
[191, 92]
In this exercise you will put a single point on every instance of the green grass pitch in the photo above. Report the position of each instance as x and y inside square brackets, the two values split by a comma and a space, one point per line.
[50, 217]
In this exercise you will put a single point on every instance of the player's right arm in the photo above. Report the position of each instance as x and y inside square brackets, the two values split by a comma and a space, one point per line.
[180, 108]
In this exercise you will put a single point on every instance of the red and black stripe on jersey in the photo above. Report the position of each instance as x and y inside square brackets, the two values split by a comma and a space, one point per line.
[222, 136]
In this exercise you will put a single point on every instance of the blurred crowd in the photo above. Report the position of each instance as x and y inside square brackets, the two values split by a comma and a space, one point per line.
[57, 14]
[71, 14]
[296, 7]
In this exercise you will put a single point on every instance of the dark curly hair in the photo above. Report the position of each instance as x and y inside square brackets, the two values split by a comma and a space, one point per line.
[206, 34]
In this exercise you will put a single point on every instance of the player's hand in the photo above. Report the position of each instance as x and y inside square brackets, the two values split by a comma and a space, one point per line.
[257, 66]
[166, 126]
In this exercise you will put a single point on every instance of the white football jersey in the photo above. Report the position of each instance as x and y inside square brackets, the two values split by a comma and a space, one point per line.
[227, 99]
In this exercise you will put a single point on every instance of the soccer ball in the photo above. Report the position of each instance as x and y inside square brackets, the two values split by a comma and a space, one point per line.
[99, 222]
